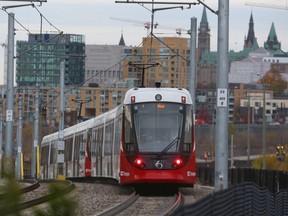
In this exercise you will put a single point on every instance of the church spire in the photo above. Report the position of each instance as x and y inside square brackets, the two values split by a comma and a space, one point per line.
[121, 42]
[250, 39]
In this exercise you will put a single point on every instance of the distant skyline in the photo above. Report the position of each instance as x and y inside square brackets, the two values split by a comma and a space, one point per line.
[92, 18]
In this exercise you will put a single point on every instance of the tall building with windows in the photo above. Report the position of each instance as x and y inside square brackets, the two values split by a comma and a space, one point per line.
[104, 64]
[38, 59]
[164, 59]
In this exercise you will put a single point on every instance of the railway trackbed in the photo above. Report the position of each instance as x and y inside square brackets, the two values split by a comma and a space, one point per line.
[34, 194]
[146, 205]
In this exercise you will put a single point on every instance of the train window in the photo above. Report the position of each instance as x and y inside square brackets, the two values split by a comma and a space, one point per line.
[77, 146]
[68, 149]
[108, 139]
[188, 131]
[44, 155]
[128, 126]
[158, 125]
[53, 153]
[117, 136]
[99, 142]
[93, 143]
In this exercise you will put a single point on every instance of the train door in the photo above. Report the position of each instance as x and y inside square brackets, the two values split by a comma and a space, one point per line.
[87, 171]
[93, 152]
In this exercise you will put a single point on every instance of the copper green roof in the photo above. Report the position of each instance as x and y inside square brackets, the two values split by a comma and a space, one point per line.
[272, 44]
[211, 57]
[272, 34]
[204, 20]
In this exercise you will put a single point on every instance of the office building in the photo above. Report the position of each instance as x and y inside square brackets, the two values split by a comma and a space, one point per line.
[38, 59]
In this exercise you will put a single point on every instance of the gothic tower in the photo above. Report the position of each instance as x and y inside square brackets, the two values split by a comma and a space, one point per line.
[250, 41]
[203, 35]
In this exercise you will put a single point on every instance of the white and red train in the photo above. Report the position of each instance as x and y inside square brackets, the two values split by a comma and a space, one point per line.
[149, 139]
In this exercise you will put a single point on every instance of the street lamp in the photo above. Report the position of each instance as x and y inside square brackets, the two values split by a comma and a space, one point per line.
[263, 123]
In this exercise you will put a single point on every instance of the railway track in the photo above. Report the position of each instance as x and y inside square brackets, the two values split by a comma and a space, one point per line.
[34, 194]
[146, 205]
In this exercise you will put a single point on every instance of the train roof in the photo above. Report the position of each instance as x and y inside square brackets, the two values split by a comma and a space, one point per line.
[82, 126]
[149, 95]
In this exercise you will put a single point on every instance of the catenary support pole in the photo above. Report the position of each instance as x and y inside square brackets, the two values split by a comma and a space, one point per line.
[36, 134]
[10, 96]
[19, 140]
[221, 148]
[192, 74]
[1, 134]
[248, 130]
[60, 155]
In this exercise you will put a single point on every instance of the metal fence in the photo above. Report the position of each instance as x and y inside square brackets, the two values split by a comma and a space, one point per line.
[271, 179]
[250, 192]
[243, 199]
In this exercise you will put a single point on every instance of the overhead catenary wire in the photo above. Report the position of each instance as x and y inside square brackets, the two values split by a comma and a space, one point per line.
[117, 63]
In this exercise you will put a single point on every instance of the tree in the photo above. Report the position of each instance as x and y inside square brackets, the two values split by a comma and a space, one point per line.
[275, 81]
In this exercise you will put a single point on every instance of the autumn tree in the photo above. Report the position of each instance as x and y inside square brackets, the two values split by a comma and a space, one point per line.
[275, 81]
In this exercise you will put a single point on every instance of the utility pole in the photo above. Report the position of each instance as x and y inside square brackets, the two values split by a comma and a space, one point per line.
[221, 148]
[263, 122]
[143, 66]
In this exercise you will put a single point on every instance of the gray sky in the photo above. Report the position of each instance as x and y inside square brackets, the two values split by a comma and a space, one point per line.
[92, 18]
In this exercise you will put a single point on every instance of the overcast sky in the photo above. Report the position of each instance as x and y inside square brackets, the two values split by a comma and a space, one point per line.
[95, 20]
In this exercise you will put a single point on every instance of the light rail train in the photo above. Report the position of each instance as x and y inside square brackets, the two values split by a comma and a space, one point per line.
[149, 139]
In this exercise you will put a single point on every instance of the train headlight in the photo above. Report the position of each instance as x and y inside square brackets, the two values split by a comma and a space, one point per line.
[178, 162]
[139, 162]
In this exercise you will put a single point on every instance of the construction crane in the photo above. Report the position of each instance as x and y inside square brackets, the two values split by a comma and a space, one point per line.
[267, 5]
[147, 25]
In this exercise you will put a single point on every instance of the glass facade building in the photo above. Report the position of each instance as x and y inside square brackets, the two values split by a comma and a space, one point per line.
[38, 59]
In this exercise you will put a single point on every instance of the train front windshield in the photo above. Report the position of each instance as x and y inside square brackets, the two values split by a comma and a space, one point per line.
[158, 127]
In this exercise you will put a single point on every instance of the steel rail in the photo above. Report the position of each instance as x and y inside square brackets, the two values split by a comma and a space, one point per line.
[120, 207]
[176, 205]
